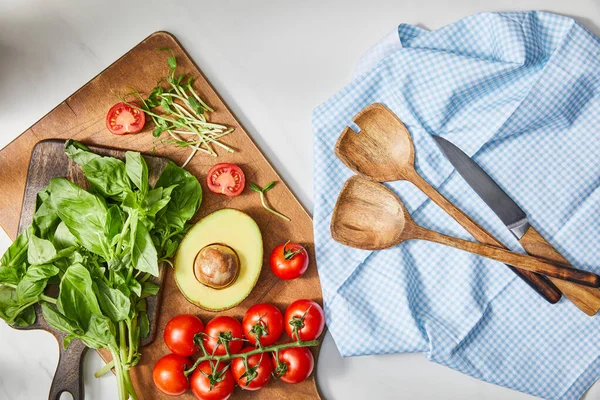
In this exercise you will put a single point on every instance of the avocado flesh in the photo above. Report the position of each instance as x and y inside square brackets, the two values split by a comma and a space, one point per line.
[232, 228]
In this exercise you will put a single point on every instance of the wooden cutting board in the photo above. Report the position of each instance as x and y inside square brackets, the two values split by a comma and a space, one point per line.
[82, 117]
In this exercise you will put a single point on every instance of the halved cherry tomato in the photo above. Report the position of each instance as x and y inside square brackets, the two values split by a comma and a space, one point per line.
[227, 179]
[307, 317]
[222, 328]
[258, 373]
[180, 334]
[263, 321]
[168, 374]
[289, 260]
[208, 386]
[123, 119]
[295, 364]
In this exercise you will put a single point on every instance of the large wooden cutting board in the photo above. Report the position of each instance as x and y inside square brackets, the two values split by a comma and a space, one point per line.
[81, 117]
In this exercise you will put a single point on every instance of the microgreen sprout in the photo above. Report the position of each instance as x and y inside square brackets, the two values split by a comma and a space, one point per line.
[261, 192]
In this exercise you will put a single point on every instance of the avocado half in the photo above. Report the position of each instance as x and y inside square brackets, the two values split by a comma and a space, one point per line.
[232, 228]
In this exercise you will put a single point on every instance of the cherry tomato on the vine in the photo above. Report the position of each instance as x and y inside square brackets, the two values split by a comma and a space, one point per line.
[123, 119]
[220, 329]
[207, 385]
[227, 179]
[289, 260]
[168, 374]
[295, 364]
[258, 373]
[263, 321]
[181, 332]
[307, 317]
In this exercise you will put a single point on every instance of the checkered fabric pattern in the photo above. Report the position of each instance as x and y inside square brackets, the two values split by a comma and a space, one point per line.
[520, 93]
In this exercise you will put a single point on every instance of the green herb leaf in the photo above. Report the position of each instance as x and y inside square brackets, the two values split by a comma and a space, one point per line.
[144, 255]
[58, 321]
[108, 176]
[172, 61]
[144, 324]
[137, 170]
[79, 152]
[63, 238]
[71, 203]
[255, 187]
[40, 251]
[269, 186]
[76, 298]
[113, 303]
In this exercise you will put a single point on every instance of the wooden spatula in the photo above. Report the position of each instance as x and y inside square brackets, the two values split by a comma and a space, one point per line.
[383, 151]
[370, 216]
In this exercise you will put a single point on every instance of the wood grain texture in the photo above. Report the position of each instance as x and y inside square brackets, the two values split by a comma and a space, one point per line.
[585, 298]
[369, 216]
[48, 160]
[81, 117]
[384, 152]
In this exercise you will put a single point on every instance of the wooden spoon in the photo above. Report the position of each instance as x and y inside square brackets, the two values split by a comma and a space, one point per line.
[370, 216]
[384, 152]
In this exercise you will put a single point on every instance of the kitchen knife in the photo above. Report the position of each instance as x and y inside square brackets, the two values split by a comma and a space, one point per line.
[585, 298]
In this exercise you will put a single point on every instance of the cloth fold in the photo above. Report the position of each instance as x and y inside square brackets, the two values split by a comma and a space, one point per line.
[518, 92]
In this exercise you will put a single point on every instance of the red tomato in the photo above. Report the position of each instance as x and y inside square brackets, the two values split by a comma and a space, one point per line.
[181, 332]
[289, 260]
[295, 364]
[263, 321]
[307, 316]
[219, 329]
[258, 373]
[227, 179]
[123, 118]
[169, 375]
[218, 386]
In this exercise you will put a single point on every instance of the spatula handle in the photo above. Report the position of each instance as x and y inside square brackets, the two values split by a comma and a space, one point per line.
[539, 283]
[519, 260]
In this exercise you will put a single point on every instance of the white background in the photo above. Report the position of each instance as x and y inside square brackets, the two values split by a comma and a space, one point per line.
[273, 62]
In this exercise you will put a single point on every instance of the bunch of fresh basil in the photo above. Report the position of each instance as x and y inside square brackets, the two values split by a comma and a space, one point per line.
[100, 247]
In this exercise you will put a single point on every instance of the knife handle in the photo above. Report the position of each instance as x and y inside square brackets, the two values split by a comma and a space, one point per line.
[585, 298]
[542, 285]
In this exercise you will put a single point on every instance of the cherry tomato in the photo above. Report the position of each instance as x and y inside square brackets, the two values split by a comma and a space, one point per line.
[295, 364]
[263, 321]
[289, 260]
[223, 327]
[227, 179]
[222, 382]
[307, 316]
[123, 119]
[259, 370]
[169, 375]
[180, 334]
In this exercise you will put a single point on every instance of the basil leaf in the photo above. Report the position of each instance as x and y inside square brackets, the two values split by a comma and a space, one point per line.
[108, 176]
[34, 282]
[58, 321]
[185, 198]
[12, 275]
[101, 332]
[144, 324]
[144, 256]
[156, 200]
[137, 170]
[115, 221]
[45, 218]
[16, 254]
[40, 251]
[76, 298]
[83, 213]
[113, 303]
[63, 238]
[149, 289]
[12, 311]
[135, 287]
[79, 152]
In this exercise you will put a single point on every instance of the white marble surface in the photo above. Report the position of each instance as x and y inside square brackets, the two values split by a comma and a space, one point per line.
[272, 61]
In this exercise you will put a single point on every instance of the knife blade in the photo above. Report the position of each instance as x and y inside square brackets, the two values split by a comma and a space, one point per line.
[515, 219]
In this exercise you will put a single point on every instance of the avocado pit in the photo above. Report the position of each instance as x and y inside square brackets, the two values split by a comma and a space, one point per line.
[216, 265]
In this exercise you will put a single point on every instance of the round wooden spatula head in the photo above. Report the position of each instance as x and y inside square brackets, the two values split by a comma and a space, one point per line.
[382, 151]
[369, 216]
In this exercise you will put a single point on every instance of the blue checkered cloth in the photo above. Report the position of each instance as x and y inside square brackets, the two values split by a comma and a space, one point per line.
[519, 92]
